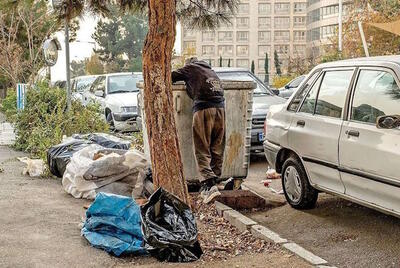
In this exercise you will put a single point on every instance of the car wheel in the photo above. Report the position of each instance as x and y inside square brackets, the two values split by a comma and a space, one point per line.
[298, 191]
[110, 120]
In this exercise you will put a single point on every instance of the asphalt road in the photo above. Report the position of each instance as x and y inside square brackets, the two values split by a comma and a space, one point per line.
[343, 233]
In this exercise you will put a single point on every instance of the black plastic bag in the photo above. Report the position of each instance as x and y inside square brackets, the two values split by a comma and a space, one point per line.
[59, 155]
[105, 140]
[169, 229]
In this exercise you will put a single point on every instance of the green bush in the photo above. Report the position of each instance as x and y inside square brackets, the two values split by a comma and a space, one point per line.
[45, 120]
[9, 105]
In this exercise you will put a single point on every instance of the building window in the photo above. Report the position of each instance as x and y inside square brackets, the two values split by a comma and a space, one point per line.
[329, 11]
[264, 49]
[242, 36]
[314, 15]
[282, 49]
[328, 31]
[242, 63]
[208, 36]
[314, 34]
[210, 61]
[242, 50]
[264, 22]
[299, 21]
[242, 22]
[225, 36]
[264, 9]
[282, 36]
[187, 34]
[261, 65]
[189, 45]
[208, 50]
[225, 50]
[299, 51]
[243, 9]
[299, 7]
[282, 22]
[282, 8]
[264, 36]
[299, 35]
[226, 62]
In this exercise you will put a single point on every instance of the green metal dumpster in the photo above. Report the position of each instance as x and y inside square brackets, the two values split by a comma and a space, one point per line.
[238, 113]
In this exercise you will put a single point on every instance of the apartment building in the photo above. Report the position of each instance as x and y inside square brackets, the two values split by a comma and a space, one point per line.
[322, 23]
[259, 27]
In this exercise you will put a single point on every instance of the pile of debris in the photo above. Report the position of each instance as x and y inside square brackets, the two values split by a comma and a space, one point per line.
[219, 239]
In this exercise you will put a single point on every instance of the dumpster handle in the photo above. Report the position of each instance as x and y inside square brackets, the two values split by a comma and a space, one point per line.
[178, 104]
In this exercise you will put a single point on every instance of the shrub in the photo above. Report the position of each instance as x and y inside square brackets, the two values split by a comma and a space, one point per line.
[9, 105]
[280, 81]
[45, 120]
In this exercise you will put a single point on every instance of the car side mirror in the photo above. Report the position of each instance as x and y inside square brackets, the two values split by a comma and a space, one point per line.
[388, 121]
[99, 93]
[287, 86]
[276, 91]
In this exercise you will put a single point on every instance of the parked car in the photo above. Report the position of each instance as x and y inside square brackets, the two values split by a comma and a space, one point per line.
[263, 98]
[81, 84]
[331, 135]
[117, 95]
[287, 90]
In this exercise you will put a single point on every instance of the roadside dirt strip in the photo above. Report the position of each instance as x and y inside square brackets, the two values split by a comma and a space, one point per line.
[244, 223]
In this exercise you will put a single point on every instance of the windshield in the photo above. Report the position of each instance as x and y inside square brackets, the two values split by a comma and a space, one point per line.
[83, 84]
[297, 81]
[244, 76]
[123, 83]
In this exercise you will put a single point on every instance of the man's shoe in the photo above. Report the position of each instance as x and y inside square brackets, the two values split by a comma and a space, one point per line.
[208, 194]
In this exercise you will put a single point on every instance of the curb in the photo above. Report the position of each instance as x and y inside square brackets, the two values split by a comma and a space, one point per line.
[244, 223]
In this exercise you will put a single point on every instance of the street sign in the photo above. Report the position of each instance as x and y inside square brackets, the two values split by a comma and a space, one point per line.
[21, 96]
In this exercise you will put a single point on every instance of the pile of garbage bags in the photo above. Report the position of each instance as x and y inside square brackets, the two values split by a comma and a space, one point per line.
[59, 156]
[165, 227]
[97, 169]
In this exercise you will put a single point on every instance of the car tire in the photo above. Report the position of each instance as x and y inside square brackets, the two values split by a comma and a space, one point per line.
[296, 187]
[110, 120]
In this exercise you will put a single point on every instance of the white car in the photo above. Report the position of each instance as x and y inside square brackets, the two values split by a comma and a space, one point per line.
[339, 133]
[117, 95]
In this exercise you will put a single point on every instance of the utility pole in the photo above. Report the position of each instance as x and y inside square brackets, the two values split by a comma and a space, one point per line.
[340, 25]
[67, 66]
[364, 42]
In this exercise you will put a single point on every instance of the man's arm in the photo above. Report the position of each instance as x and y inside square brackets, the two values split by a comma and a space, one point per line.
[179, 75]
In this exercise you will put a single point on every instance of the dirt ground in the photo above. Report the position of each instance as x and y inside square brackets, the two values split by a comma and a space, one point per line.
[39, 227]
[343, 233]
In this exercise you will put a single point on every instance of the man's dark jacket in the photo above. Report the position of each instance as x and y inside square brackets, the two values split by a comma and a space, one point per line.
[202, 85]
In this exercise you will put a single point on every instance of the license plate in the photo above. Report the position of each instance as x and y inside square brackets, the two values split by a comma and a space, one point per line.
[261, 136]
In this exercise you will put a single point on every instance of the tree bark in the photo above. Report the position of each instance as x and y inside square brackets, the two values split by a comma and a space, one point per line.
[158, 103]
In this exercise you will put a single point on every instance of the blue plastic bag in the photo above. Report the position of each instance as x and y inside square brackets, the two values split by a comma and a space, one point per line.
[113, 223]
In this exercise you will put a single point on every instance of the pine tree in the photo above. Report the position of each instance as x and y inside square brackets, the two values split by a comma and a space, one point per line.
[266, 69]
[229, 62]
[253, 66]
[277, 63]
[220, 61]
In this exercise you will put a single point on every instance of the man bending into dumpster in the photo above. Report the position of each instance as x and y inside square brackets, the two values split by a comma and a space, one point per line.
[204, 88]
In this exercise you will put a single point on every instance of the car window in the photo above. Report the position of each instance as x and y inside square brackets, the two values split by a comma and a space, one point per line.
[376, 94]
[332, 93]
[244, 76]
[99, 84]
[296, 82]
[123, 83]
[301, 93]
[83, 84]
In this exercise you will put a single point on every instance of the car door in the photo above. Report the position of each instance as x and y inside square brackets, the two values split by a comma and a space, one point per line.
[370, 157]
[98, 85]
[315, 128]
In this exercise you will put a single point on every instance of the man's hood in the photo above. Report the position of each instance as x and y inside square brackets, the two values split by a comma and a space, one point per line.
[203, 64]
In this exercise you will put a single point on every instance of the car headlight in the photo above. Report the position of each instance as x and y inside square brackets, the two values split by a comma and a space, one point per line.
[129, 109]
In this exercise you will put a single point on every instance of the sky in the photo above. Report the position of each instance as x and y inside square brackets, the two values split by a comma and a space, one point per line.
[83, 47]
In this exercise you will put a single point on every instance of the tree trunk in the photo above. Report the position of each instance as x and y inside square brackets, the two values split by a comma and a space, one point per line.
[158, 102]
